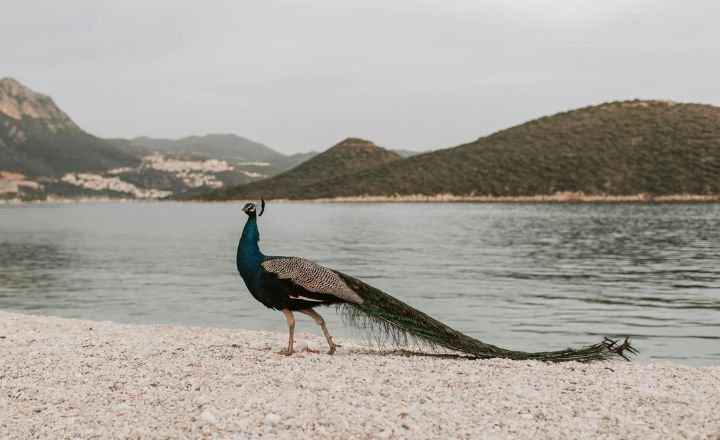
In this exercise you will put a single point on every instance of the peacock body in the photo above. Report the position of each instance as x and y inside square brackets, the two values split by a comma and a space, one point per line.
[292, 284]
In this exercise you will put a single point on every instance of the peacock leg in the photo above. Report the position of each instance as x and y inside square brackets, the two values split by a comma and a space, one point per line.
[321, 322]
[291, 327]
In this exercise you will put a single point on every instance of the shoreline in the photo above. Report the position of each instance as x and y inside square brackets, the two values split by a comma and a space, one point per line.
[74, 378]
[553, 198]
[563, 197]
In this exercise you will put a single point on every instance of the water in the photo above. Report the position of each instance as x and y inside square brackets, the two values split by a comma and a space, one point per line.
[523, 276]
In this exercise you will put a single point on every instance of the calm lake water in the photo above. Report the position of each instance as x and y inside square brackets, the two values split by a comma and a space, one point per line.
[523, 276]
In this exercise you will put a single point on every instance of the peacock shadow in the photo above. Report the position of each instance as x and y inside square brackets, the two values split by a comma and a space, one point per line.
[225, 351]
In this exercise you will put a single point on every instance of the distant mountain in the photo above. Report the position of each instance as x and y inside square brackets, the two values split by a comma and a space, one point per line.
[44, 154]
[38, 139]
[620, 148]
[294, 160]
[227, 147]
[129, 147]
[342, 161]
[250, 160]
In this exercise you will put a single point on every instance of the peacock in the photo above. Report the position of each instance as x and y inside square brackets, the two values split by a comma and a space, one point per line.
[292, 284]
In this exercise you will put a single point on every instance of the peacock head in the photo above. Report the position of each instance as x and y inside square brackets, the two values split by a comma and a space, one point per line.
[251, 210]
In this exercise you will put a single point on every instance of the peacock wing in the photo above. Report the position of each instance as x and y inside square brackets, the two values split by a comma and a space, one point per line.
[311, 276]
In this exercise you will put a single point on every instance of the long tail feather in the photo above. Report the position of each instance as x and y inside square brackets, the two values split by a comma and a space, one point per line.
[393, 319]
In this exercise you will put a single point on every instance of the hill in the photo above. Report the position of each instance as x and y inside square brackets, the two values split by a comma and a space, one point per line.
[39, 139]
[622, 148]
[342, 161]
[249, 160]
[229, 147]
[44, 154]
[289, 162]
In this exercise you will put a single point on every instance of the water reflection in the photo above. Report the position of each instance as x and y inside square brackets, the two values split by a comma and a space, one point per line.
[29, 265]
[37, 276]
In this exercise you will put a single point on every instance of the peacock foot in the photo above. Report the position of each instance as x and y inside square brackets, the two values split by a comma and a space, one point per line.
[333, 346]
[286, 351]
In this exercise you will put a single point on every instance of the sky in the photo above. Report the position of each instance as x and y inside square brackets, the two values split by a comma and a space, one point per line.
[303, 75]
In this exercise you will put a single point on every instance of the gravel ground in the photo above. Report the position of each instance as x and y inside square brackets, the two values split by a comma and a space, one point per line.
[64, 378]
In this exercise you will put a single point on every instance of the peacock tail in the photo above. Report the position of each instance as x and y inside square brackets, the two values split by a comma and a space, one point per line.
[391, 319]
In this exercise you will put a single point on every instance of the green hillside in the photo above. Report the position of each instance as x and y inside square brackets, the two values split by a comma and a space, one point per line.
[620, 148]
[309, 178]
[228, 147]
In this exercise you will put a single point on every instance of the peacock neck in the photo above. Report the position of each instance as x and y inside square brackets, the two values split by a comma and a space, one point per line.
[249, 256]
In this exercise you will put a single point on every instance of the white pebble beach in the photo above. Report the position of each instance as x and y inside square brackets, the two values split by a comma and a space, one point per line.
[67, 378]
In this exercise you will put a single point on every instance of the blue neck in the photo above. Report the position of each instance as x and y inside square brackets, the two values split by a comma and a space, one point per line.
[249, 256]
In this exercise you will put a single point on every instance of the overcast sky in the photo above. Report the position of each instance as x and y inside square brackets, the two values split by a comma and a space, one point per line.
[303, 75]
